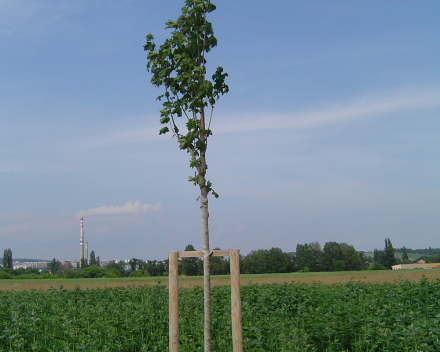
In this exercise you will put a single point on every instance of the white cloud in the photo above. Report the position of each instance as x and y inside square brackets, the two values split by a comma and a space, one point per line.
[128, 208]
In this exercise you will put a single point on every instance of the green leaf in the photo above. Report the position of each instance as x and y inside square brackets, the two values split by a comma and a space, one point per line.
[163, 130]
[164, 120]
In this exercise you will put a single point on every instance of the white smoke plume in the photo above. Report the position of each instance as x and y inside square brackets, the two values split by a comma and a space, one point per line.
[128, 208]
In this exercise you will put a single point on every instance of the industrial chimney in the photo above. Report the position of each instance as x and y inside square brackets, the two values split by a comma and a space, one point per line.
[81, 243]
[87, 252]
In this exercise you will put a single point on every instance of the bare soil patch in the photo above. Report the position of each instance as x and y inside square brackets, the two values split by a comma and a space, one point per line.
[189, 282]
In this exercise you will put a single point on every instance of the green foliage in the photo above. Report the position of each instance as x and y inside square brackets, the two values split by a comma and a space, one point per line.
[4, 274]
[7, 259]
[353, 317]
[179, 66]
[93, 272]
[139, 273]
[333, 257]
[387, 257]
[405, 258]
[119, 267]
[376, 266]
[218, 265]
[266, 261]
[189, 266]
[56, 267]
[92, 260]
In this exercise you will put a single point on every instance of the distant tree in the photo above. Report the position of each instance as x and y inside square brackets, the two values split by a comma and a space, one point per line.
[405, 259]
[385, 258]
[66, 266]
[314, 255]
[83, 263]
[332, 257]
[189, 265]
[376, 266]
[162, 268]
[352, 259]
[119, 267]
[98, 262]
[365, 261]
[264, 261]
[379, 257]
[55, 266]
[7, 259]
[277, 261]
[133, 264]
[216, 264]
[389, 256]
[226, 267]
[151, 267]
[254, 263]
[303, 255]
[92, 261]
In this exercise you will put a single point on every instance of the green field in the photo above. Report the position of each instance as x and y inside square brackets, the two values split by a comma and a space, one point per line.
[356, 316]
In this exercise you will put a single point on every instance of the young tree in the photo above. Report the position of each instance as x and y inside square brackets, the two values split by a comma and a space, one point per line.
[179, 65]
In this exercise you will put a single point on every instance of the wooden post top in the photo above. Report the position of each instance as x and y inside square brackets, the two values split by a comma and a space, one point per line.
[199, 254]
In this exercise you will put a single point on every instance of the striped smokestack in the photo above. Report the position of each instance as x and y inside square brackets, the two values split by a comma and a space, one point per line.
[81, 243]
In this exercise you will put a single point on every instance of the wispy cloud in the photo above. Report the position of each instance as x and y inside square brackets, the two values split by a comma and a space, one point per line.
[367, 106]
[372, 105]
[128, 208]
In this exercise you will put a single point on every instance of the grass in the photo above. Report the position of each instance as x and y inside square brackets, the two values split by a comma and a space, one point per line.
[219, 280]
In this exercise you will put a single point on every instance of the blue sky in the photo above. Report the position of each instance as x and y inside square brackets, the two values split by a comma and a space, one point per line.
[330, 131]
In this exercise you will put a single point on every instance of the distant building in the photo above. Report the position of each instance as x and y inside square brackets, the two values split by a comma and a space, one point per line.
[36, 265]
[416, 266]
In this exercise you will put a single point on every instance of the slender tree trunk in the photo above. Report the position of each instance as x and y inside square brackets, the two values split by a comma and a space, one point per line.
[206, 268]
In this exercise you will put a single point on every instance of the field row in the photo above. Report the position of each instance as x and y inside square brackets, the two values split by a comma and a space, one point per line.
[288, 317]
[327, 278]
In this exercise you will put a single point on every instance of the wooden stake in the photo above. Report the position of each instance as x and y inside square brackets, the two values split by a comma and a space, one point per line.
[237, 338]
[173, 289]
[234, 258]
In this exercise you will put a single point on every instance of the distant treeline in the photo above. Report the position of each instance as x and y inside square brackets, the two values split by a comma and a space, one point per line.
[311, 257]
[422, 252]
